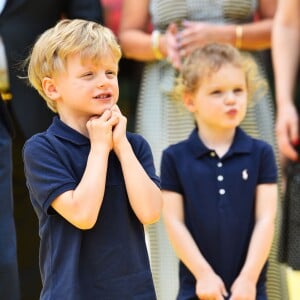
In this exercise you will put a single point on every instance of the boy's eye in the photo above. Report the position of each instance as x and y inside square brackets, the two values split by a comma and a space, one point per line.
[110, 74]
[88, 74]
[238, 90]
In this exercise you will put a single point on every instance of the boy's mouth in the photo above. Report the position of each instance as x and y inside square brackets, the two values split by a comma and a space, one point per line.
[103, 96]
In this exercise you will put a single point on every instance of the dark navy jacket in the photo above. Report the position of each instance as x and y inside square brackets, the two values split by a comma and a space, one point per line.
[21, 22]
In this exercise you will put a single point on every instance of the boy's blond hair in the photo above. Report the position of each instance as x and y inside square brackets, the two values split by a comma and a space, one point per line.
[208, 59]
[50, 52]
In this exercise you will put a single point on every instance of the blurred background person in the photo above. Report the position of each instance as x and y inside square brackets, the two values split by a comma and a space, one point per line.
[21, 22]
[286, 55]
[9, 277]
[130, 70]
[179, 26]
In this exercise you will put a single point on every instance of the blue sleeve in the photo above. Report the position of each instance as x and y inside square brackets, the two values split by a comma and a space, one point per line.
[170, 179]
[268, 167]
[46, 175]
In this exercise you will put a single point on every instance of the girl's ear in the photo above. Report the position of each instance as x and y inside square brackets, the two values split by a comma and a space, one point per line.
[188, 100]
[50, 88]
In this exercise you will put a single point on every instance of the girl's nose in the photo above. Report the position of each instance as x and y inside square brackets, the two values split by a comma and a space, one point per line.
[230, 98]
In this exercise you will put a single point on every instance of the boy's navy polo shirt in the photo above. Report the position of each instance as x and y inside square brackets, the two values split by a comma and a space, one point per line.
[109, 261]
[219, 199]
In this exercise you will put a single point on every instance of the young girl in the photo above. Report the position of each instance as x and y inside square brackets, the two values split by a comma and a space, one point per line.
[219, 185]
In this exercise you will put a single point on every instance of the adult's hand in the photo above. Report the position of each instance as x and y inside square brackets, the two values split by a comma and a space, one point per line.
[287, 130]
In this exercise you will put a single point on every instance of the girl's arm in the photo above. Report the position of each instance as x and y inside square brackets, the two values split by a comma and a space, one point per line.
[209, 285]
[261, 241]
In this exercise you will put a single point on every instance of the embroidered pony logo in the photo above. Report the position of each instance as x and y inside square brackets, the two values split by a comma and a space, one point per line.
[245, 174]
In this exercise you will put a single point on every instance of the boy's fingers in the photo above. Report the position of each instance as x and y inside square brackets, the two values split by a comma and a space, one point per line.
[115, 108]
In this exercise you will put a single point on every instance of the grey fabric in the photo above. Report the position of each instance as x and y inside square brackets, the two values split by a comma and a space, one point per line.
[290, 230]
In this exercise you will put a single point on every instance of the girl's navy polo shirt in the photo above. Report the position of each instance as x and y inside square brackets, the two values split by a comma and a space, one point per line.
[109, 261]
[219, 198]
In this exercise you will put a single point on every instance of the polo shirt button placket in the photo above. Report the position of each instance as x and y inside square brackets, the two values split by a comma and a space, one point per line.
[220, 179]
[222, 191]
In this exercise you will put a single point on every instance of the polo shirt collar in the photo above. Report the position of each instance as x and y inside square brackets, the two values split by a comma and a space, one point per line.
[196, 144]
[62, 130]
[242, 143]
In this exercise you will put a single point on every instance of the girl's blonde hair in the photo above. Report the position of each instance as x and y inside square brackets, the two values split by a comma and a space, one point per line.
[49, 55]
[207, 60]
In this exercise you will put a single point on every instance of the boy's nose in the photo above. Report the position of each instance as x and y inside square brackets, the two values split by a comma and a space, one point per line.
[101, 80]
[100, 83]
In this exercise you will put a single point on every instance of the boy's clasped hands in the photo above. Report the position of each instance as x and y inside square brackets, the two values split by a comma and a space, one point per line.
[107, 129]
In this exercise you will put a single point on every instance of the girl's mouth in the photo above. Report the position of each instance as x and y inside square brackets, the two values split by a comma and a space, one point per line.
[232, 112]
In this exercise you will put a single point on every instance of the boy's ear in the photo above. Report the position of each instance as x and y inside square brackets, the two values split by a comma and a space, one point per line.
[188, 101]
[50, 88]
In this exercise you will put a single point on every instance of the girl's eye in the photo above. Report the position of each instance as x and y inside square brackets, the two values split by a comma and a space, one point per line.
[216, 92]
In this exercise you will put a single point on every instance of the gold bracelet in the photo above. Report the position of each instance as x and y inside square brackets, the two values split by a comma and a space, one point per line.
[238, 36]
[155, 37]
[6, 96]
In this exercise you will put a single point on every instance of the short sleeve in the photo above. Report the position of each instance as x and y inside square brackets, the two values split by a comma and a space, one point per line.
[46, 175]
[268, 167]
[170, 179]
